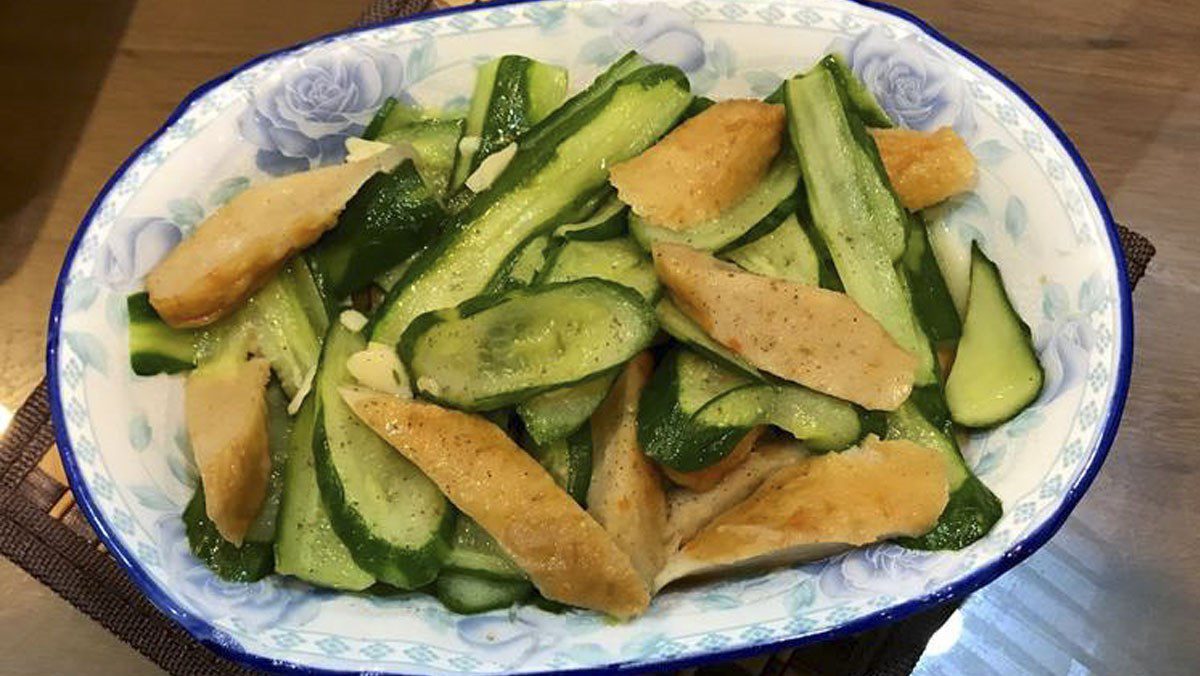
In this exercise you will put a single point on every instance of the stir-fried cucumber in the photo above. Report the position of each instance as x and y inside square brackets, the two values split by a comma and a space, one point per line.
[560, 164]
[512, 93]
[996, 373]
[494, 351]
[155, 347]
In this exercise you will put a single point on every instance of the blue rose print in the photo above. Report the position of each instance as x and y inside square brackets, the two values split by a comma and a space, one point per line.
[883, 569]
[661, 34]
[302, 119]
[1065, 339]
[134, 246]
[912, 83]
[257, 606]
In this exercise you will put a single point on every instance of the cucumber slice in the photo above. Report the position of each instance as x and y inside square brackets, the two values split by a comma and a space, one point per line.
[512, 93]
[306, 546]
[494, 351]
[279, 444]
[393, 519]
[287, 319]
[436, 143]
[521, 267]
[759, 213]
[785, 253]
[858, 97]
[569, 461]
[822, 422]
[610, 220]
[681, 385]
[469, 594]
[155, 347]
[930, 297]
[551, 416]
[996, 373]
[618, 260]
[252, 561]
[475, 552]
[853, 207]
[560, 165]
[391, 116]
[390, 217]
[972, 510]
[682, 328]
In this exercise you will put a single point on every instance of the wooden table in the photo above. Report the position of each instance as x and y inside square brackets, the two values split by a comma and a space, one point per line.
[1118, 591]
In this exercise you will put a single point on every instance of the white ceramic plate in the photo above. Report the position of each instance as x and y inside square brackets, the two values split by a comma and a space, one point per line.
[1037, 212]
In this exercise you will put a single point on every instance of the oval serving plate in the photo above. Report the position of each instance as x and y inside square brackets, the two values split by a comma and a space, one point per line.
[1037, 211]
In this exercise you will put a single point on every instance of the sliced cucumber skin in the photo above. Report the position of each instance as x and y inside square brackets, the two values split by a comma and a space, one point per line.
[609, 220]
[618, 260]
[822, 422]
[435, 142]
[996, 373]
[860, 99]
[559, 166]
[155, 347]
[279, 444]
[391, 217]
[666, 427]
[785, 253]
[973, 509]
[931, 297]
[288, 320]
[758, 214]
[428, 355]
[569, 461]
[682, 328]
[475, 552]
[512, 93]
[248, 563]
[552, 415]
[306, 545]
[408, 562]
[470, 594]
[521, 267]
[852, 204]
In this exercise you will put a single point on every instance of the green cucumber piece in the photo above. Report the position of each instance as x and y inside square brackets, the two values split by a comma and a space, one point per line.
[852, 205]
[972, 509]
[391, 116]
[766, 206]
[858, 97]
[785, 253]
[288, 319]
[682, 328]
[680, 387]
[393, 519]
[469, 594]
[155, 347]
[930, 297]
[279, 444]
[822, 422]
[390, 218]
[996, 373]
[435, 142]
[306, 546]
[248, 563]
[569, 461]
[610, 220]
[521, 267]
[561, 165]
[494, 351]
[618, 260]
[551, 416]
[512, 93]
[473, 551]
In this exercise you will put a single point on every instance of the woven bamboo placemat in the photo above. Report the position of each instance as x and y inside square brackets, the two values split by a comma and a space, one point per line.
[44, 532]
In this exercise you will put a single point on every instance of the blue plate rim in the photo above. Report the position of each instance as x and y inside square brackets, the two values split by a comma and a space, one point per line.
[220, 643]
